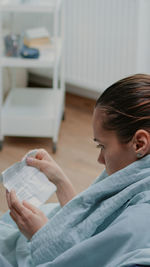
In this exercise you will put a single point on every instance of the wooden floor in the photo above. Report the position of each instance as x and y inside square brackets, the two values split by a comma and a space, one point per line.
[76, 153]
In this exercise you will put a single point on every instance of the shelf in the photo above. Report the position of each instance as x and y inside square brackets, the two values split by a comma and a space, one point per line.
[46, 59]
[31, 112]
[34, 112]
[44, 6]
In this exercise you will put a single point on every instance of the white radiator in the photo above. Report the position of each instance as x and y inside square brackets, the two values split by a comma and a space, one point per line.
[104, 40]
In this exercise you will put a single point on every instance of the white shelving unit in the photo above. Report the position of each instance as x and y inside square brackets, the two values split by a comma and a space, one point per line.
[35, 112]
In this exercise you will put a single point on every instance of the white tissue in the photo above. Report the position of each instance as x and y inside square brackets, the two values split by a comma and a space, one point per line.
[29, 183]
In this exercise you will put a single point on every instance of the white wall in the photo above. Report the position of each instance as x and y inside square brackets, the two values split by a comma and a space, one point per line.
[143, 36]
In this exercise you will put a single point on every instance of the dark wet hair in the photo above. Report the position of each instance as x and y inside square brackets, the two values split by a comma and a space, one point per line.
[126, 106]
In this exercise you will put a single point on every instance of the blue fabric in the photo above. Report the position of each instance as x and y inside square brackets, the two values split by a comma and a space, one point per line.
[138, 265]
[106, 225]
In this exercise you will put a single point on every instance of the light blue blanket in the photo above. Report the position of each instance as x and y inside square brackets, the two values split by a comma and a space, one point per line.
[106, 225]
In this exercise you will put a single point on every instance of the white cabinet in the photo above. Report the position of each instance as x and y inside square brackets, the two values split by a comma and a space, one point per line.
[34, 112]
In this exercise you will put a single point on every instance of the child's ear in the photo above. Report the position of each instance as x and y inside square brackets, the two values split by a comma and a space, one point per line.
[141, 143]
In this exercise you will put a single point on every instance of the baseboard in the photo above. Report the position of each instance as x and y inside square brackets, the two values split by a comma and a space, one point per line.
[82, 91]
[40, 80]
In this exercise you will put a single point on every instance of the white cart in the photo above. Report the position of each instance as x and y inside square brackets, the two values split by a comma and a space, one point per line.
[35, 112]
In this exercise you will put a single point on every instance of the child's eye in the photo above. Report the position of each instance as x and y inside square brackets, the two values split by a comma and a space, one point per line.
[100, 146]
